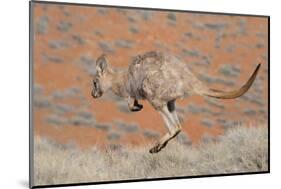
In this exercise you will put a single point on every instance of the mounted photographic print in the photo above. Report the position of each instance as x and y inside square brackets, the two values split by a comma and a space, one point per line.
[122, 94]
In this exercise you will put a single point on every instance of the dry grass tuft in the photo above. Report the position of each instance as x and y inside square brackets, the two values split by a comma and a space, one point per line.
[242, 149]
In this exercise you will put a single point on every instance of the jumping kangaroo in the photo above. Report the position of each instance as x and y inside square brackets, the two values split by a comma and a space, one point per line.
[160, 79]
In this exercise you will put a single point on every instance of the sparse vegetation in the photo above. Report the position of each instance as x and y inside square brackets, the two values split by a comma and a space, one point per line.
[172, 16]
[230, 70]
[134, 29]
[54, 59]
[42, 25]
[64, 26]
[207, 122]
[241, 149]
[124, 43]
[106, 47]
[78, 39]
[195, 109]
[218, 80]
[103, 127]
[57, 44]
[215, 26]
[150, 134]
[126, 127]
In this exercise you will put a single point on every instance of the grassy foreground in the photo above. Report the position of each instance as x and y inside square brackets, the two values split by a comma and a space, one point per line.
[241, 149]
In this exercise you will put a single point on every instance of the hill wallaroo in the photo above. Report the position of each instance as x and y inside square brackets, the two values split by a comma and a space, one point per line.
[160, 79]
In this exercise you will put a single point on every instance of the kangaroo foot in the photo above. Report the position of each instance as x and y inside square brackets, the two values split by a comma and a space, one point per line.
[160, 145]
[157, 148]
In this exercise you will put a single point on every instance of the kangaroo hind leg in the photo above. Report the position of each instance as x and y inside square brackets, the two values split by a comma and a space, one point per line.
[172, 127]
[172, 108]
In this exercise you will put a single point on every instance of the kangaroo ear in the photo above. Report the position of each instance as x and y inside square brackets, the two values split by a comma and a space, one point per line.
[101, 64]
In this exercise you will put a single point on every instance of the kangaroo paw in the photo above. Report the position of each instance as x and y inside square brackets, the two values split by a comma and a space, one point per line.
[139, 106]
[136, 108]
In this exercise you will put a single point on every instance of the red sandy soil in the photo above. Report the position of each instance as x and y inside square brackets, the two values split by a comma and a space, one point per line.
[114, 25]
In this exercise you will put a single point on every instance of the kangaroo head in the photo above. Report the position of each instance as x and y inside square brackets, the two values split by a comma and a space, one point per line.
[102, 79]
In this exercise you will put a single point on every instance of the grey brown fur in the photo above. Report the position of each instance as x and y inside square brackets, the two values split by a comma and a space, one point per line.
[160, 79]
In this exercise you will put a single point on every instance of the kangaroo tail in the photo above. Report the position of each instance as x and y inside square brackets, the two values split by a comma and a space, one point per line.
[235, 93]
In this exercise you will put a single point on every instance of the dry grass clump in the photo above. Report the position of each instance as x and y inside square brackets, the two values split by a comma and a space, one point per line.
[241, 149]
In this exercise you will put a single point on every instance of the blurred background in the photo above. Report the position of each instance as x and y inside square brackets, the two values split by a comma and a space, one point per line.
[221, 50]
